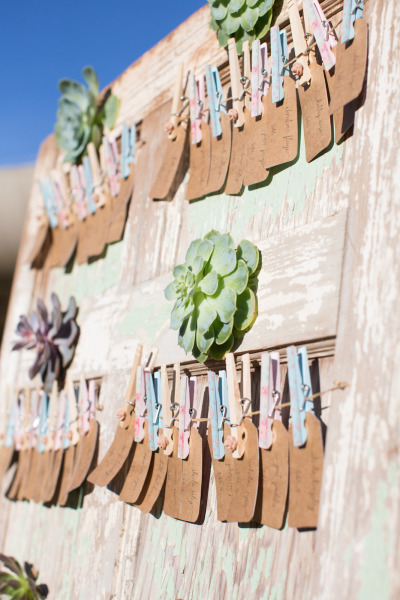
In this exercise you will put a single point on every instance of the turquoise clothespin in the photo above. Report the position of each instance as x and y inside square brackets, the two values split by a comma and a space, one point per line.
[89, 186]
[279, 56]
[128, 147]
[223, 394]
[67, 424]
[10, 426]
[215, 97]
[157, 381]
[308, 405]
[49, 201]
[297, 396]
[44, 421]
[217, 427]
[153, 412]
[352, 10]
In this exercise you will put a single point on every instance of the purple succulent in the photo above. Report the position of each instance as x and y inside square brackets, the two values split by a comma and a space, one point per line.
[54, 338]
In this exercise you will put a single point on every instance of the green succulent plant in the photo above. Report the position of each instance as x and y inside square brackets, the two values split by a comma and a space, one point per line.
[214, 293]
[20, 584]
[82, 115]
[241, 19]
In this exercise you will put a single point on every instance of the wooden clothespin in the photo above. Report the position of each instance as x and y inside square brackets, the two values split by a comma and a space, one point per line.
[44, 422]
[12, 420]
[197, 96]
[73, 413]
[279, 56]
[58, 435]
[167, 410]
[78, 193]
[319, 29]
[145, 396]
[235, 405]
[53, 414]
[216, 417]
[89, 186]
[100, 196]
[180, 106]
[352, 10]
[259, 76]
[127, 411]
[153, 407]
[300, 68]
[187, 411]
[300, 388]
[128, 147]
[84, 405]
[270, 394]
[112, 162]
[49, 200]
[236, 86]
[215, 99]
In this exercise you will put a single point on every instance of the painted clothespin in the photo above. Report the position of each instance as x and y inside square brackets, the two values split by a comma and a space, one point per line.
[111, 163]
[44, 421]
[34, 418]
[259, 76]
[19, 416]
[66, 442]
[235, 405]
[279, 56]
[128, 146]
[93, 401]
[299, 388]
[197, 98]
[236, 85]
[78, 193]
[270, 394]
[11, 423]
[127, 412]
[352, 10]
[84, 405]
[319, 29]
[89, 186]
[59, 433]
[300, 68]
[97, 175]
[215, 99]
[180, 106]
[216, 417]
[153, 410]
[62, 213]
[168, 410]
[50, 204]
[72, 400]
[140, 404]
[53, 415]
[187, 412]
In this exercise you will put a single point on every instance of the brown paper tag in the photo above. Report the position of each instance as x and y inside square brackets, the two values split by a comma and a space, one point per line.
[52, 476]
[220, 156]
[173, 483]
[84, 236]
[53, 257]
[306, 464]
[119, 209]
[85, 451]
[223, 474]
[154, 482]
[138, 469]
[199, 167]
[6, 456]
[274, 477]
[115, 457]
[41, 467]
[65, 475]
[254, 131]
[25, 474]
[30, 484]
[43, 238]
[245, 478]
[13, 489]
[281, 127]
[315, 112]
[234, 180]
[170, 165]
[68, 243]
[351, 64]
[344, 117]
[192, 471]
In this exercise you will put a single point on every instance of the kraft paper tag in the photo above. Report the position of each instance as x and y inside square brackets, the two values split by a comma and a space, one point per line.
[53, 475]
[40, 475]
[21, 494]
[170, 165]
[53, 257]
[306, 464]
[154, 482]
[344, 117]
[192, 472]
[281, 127]
[254, 131]
[115, 457]
[245, 478]
[29, 488]
[13, 489]
[6, 456]
[351, 64]
[274, 477]
[237, 163]
[65, 475]
[223, 474]
[138, 469]
[82, 250]
[85, 452]
[173, 483]
[315, 112]
[199, 167]
[95, 230]
[119, 209]
[220, 156]
[42, 236]
[68, 241]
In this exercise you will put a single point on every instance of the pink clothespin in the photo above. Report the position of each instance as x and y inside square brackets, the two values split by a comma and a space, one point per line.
[197, 98]
[270, 395]
[140, 405]
[259, 76]
[19, 419]
[62, 213]
[78, 192]
[112, 162]
[92, 397]
[187, 412]
[58, 435]
[84, 405]
[34, 419]
[319, 27]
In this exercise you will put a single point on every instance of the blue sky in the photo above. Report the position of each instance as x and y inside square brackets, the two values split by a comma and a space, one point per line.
[42, 42]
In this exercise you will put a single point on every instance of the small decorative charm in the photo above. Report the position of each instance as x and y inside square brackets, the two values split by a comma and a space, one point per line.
[121, 414]
[233, 114]
[231, 443]
[53, 336]
[162, 442]
[214, 293]
[297, 70]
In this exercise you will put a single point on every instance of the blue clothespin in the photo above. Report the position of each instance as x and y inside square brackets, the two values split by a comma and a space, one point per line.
[157, 382]
[153, 411]
[308, 405]
[67, 423]
[128, 147]
[89, 186]
[49, 201]
[9, 439]
[279, 57]
[44, 421]
[215, 97]
[352, 10]
[296, 389]
[223, 394]
[217, 425]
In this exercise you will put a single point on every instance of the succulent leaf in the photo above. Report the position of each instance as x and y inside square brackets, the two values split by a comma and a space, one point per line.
[191, 253]
[209, 284]
[206, 314]
[246, 310]
[249, 18]
[237, 280]
[235, 5]
[187, 334]
[222, 331]
[224, 302]
[218, 351]
[205, 340]
[218, 11]
[230, 24]
[75, 92]
[250, 254]
[111, 109]
[170, 291]
[89, 75]
[223, 259]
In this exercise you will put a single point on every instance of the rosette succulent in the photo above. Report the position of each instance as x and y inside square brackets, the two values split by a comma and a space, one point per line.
[82, 115]
[241, 19]
[19, 583]
[53, 336]
[214, 293]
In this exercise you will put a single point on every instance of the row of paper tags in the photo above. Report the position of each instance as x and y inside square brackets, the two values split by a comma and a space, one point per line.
[54, 439]
[159, 447]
